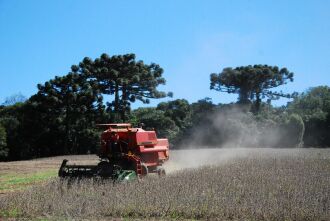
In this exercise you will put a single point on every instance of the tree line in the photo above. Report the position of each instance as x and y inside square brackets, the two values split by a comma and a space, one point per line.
[61, 117]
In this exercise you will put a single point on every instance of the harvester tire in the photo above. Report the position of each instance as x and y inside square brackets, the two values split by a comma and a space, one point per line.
[161, 172]
[144, 170]
[105, 169]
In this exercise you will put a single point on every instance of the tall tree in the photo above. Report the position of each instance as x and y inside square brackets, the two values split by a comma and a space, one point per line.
[11, 118]
[314, 103]
[252, 83]
[124, 78]
[155, 119]
[200, 108]
[68, 105]
[314, 108]
[178, 110]
[3, 143]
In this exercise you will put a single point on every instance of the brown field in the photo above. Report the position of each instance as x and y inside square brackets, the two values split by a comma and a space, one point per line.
[205, 184]
[20, 175]
[31, 166]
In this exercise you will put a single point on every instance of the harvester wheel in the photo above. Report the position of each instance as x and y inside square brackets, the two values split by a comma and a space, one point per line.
[144, 170]
[161, 172]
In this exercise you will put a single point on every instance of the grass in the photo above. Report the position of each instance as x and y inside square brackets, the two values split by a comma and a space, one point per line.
[18, 175]
[13, 182]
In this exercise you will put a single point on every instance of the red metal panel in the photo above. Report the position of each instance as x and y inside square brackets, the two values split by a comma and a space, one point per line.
[143, 138]
[162, 142]
[153, 149]
[162, 156]
[137, 143]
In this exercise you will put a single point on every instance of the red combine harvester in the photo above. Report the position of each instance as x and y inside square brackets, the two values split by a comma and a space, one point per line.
[126, 153]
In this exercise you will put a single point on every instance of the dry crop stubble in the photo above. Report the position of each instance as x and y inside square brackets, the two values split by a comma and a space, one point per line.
[261, 184]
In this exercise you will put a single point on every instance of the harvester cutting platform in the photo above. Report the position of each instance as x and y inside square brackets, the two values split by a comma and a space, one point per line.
[126, 153]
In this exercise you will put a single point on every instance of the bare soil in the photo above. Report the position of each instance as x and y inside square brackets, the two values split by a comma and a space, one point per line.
[42, 164]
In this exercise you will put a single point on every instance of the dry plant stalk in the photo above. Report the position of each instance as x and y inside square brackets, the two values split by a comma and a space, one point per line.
[265, 185]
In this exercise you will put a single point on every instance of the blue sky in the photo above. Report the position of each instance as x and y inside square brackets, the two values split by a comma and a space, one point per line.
[189, 39]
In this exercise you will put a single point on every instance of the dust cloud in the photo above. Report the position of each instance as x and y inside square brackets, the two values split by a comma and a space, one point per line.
[224, 136]
[234, 127]
[194, 158]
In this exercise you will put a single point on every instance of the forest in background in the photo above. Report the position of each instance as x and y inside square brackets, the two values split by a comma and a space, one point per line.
[61, 117]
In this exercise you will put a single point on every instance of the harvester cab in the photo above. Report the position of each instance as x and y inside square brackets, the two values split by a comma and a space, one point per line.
[125, 153]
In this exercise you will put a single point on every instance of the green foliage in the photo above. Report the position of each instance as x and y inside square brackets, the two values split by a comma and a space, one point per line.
[294, 129]
[60, 118]
[125, 78]
[11, 118]
[12, 213]
[156, 119]
[178, 110]
[314, 107]
[68, 106]
[252, 83]
[3, 143]
[14, 181]
[313, 104]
